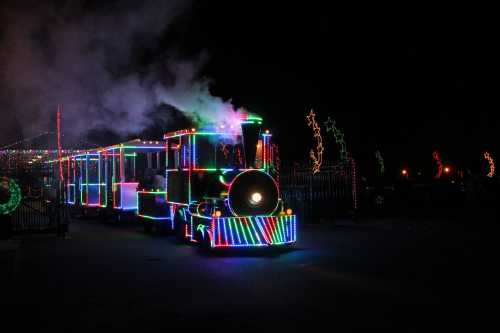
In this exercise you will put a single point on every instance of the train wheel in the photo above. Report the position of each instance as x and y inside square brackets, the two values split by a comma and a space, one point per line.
[148, 227]
[180, 231]
[103, 217]
[202, 240]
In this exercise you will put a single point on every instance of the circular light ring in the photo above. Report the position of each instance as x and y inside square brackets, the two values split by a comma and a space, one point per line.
[14, 198]
[230, 204]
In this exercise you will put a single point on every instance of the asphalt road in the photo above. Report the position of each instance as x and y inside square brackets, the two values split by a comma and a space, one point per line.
[116, 277]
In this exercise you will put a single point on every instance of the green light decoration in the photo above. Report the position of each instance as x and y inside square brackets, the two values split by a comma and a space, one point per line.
[339, 137]
[380, 160]
[14, 196]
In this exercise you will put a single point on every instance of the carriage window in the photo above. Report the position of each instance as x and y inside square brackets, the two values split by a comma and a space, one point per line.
[259, 163]
[205, 152]
[92, 170]
[229, 153]
[129, 168]
[173, 153]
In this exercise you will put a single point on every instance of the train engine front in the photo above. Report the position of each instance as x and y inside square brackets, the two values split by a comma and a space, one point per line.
[222, 188]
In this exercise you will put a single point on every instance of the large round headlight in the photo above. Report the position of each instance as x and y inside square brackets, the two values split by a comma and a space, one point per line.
[256, 198]
[253, 192]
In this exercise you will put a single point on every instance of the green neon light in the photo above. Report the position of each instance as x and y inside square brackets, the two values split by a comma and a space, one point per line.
[252, 117]
[14, 198]
[339, 137]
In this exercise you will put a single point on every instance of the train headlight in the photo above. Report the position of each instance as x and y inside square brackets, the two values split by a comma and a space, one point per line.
[253, 193]
[256, 198]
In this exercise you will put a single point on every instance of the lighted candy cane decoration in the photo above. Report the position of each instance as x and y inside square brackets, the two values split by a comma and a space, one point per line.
[317, 157]
[490, 160]
[339, 137]
[380, 160]
[436, 156]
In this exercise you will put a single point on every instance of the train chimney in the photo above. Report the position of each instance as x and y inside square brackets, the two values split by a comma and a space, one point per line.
[251, 131]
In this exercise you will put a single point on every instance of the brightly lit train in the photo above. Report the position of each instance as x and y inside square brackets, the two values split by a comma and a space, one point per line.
[217, 188]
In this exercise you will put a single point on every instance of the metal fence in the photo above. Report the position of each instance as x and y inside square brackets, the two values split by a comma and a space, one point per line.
[36, 214]
[41, 210]
[328, 194]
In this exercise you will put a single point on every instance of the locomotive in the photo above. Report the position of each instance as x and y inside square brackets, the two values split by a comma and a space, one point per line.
[214, 187]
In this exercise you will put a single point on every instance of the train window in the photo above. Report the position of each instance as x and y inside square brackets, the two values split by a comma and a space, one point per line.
[228, 154]
[205, 152]
[162, 160]
[259, 154]
[129, 168]
[116, 165]
[173, 155]
[103, 167]
[92, 170]
[83, 173]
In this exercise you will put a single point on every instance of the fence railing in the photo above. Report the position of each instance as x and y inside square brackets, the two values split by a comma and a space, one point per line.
[38, 213]
[327, 194]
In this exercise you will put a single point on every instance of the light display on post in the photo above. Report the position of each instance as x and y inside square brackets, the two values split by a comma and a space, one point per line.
[439, 162]
[317, 157]
[59, 156]
[339, 137]
[491, 162]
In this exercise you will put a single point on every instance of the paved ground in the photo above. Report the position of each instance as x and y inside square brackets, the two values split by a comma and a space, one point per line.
[116, 277]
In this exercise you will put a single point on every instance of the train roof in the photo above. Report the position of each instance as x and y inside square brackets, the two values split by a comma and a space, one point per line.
[134, 145]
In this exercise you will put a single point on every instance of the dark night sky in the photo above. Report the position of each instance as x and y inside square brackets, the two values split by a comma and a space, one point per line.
[405, 80]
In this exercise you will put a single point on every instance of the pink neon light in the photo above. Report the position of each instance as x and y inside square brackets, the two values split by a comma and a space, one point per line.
[212, 233]
[61, 175]
[218, 231]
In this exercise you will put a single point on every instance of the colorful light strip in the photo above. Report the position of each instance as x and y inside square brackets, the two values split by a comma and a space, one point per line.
[317, 157]
[354, 187]
[253, 231]
[491, 162]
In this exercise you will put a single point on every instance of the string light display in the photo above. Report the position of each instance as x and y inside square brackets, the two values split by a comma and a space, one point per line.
[190, 156]
[380, 160]
[317, 157]
[14, 196]
[31, 138]
[491, 162]
[252, 231]
[354, 182]
[439, 162]
[277, 163]
[339, 137]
